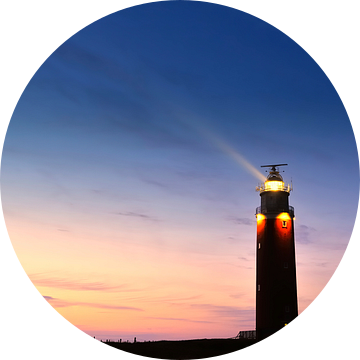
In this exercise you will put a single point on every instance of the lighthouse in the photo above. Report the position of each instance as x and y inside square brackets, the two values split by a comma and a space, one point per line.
[276, 291]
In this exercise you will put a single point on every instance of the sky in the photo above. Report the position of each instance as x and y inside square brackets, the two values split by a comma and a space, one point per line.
[123, 181]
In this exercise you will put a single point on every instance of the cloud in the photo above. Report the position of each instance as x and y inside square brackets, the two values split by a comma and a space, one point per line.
[181, 319]
[76, 285]
[101, 68]
[322, 264]
[57, 303]
[226, 311]
[175, 76]
[155, 183]
[76, 55]
[237, 295]
[303, 234]
[137, 215]
[247, 261]
[244, 258]
[131, 104]
[241, 221]
[165, 299]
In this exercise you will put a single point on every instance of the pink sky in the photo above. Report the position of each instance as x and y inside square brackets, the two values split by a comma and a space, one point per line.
[159, 282]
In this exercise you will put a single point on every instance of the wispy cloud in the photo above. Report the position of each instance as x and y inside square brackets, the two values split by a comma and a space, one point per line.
[76, 285]
[171, 300]
[154, 182]
[57, 303]
[303, 234]
[237, 295]
[244, 258]
[322, 264]
[137, 215]
[181, 319]
[131, 105]
[241, 221]
[226, 311]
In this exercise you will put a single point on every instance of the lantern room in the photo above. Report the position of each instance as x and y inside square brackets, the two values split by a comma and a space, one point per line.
[274, 182]
[274, 193]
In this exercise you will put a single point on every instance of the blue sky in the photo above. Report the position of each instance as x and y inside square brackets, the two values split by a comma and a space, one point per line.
[111, 139]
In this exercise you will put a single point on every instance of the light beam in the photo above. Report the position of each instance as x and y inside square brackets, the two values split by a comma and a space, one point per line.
[203, 130]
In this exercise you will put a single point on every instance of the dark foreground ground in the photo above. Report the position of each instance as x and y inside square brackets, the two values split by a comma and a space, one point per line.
[184, 349]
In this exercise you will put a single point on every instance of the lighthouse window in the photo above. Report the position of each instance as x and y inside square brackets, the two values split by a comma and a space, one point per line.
[284, 224]
[258, 287]
[259, 246]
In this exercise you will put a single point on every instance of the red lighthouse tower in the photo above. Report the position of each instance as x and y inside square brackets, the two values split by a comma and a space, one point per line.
[276, 291]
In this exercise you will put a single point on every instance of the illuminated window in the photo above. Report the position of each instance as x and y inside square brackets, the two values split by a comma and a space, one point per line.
[274, 185]
[284, 224]
[258, 287]
[259, 246]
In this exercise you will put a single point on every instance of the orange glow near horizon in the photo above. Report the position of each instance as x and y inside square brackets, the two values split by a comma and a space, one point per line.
[154, 290]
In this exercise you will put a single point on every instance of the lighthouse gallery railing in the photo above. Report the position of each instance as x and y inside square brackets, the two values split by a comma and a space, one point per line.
[263, 210]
